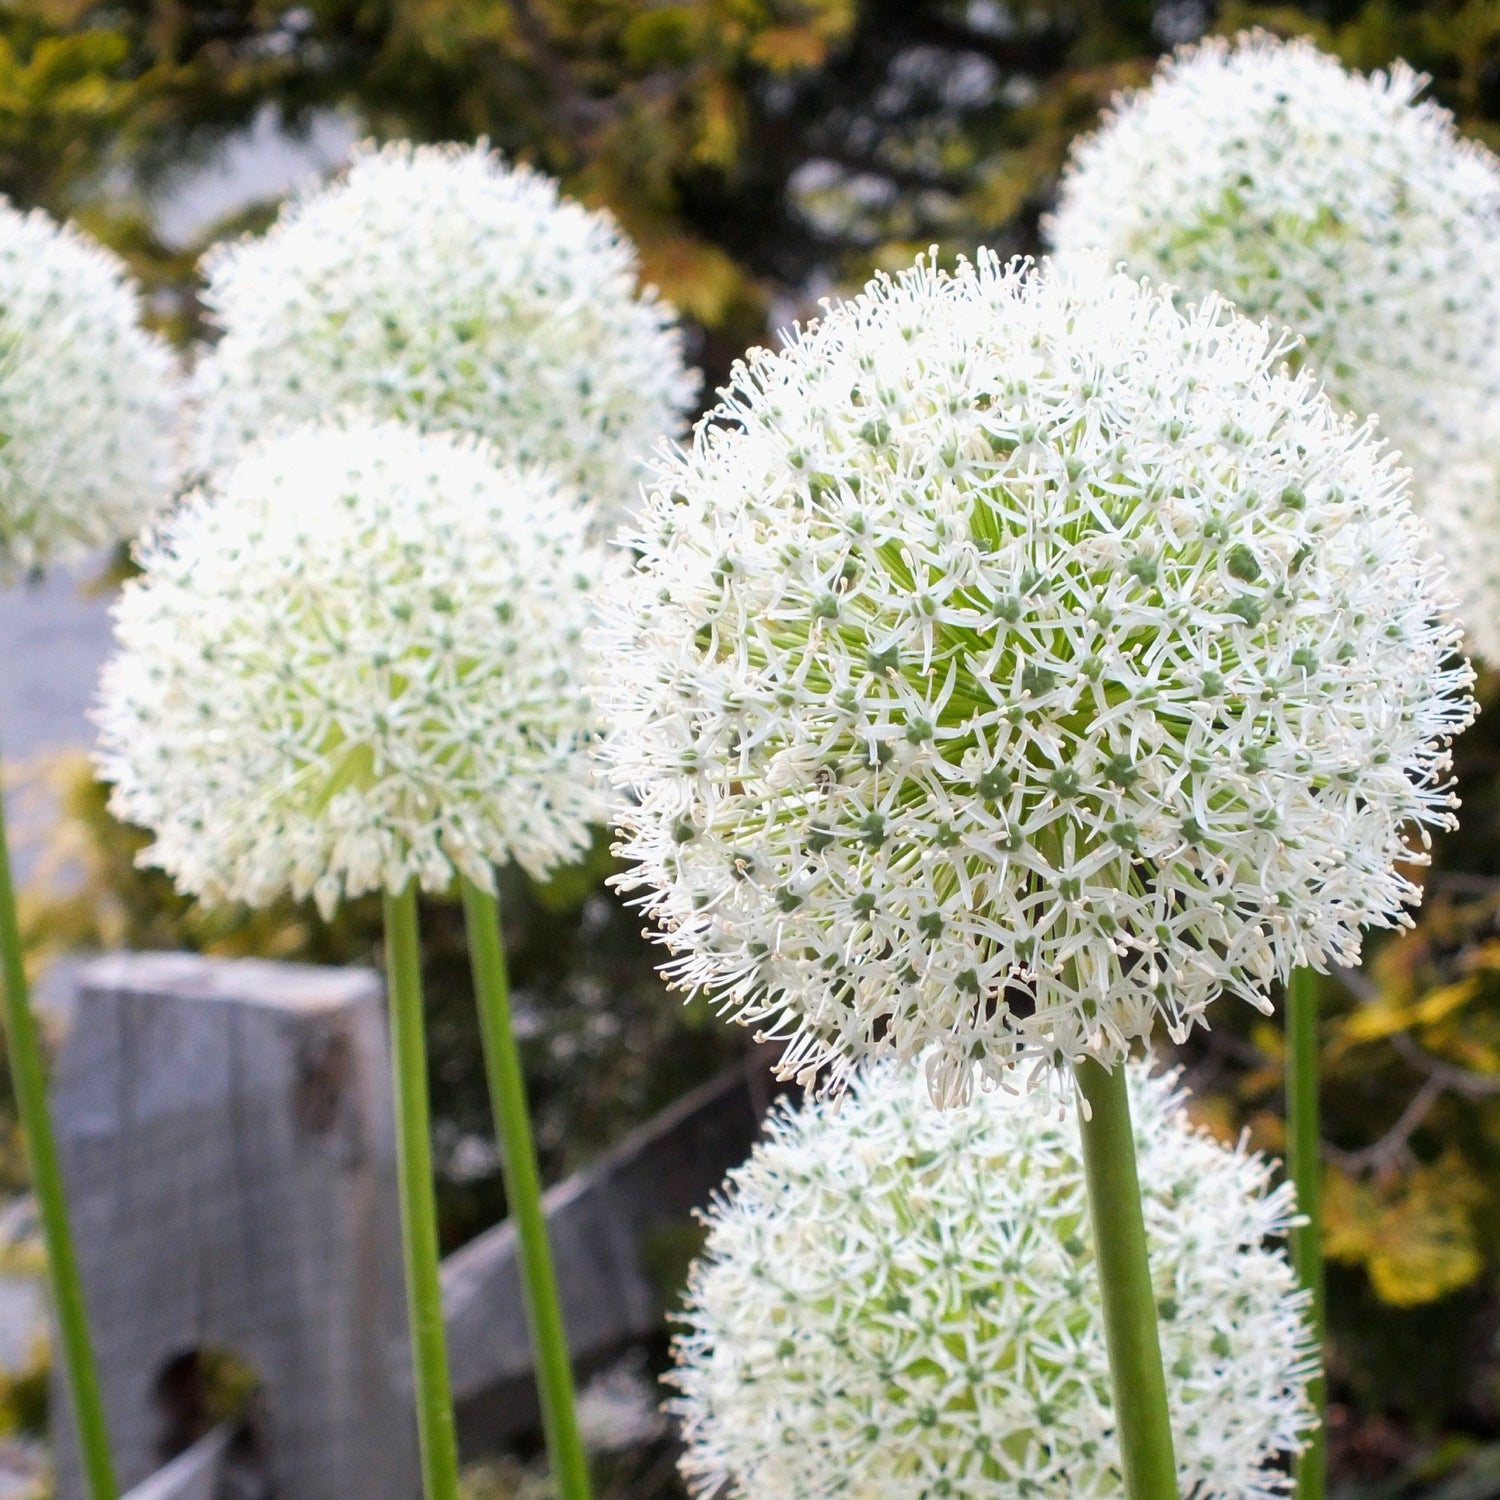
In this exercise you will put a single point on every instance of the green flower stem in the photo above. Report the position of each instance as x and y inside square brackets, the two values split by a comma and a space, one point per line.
[1140, 1386]
[1304, 1163]
[29, 1083]
[424, 1297]
[523, 1191]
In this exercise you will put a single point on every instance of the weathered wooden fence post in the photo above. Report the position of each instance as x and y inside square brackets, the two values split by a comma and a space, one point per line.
[226, 1137]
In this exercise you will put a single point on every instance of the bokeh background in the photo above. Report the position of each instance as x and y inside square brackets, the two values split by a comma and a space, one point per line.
[764, 154]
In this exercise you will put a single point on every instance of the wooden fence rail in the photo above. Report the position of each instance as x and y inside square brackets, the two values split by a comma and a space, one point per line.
[226, 1134]
[198, 1473]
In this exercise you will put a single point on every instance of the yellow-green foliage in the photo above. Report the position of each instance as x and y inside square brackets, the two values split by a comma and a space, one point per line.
[1413, 1202]
[691, 120]
[24, 1394]
[1411, 1095]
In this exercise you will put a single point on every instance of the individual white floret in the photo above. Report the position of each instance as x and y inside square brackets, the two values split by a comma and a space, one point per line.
[1336, 205]
[898, 1303]
[354, 661]
[443, 286]
[88, 398]
[1016, 659]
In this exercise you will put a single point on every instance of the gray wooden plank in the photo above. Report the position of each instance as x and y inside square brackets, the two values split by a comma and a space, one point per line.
[226, 1136]
[193, 1475]
[601, 1222]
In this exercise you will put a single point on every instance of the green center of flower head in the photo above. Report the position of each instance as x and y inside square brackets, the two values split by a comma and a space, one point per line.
[924, 1289]
[351, 769]
[398, 678]
[963, 1350]
[1030, 634]
[1023, 658]
[1257, 255]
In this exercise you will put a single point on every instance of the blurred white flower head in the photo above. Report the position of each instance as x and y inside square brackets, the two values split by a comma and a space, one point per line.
[353, 661]
[88, 398]
[1460, 490]
[445, 287]
[1336, 205]
[900, 1303]
[1016, 659]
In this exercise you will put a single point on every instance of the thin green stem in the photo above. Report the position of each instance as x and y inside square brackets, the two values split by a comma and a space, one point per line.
[1140, 1387]
[29, 1082]
[1304, 1164]
[523, 1191]
[424, 1297]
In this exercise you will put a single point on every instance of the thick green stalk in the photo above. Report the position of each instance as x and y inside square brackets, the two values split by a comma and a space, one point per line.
[29, 1083]
[1140, 1387]
[1304, 1164]
[523, 1191]
[424, 1297]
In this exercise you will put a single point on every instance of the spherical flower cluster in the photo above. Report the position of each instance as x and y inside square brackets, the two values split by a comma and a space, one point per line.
[1333, 204]
[902, 1304]
[444, 287]
[356, 660]
[88, 398]
[1015, 659]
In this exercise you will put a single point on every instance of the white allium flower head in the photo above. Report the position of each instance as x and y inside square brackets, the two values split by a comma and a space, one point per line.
[355, 660]
[1336, 205]
[88, 398]
[900, 1303]
[1015, 658]
[446, 287]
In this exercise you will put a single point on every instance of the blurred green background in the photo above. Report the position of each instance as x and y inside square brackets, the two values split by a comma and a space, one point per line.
[764, 154]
